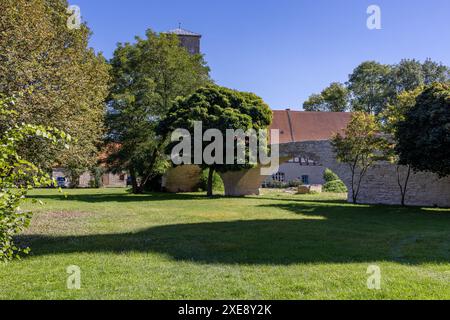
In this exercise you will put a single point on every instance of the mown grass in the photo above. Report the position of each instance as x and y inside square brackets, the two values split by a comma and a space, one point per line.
[276, 246]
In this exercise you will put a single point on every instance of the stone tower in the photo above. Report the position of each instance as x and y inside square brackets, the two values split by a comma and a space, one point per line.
[188, 40]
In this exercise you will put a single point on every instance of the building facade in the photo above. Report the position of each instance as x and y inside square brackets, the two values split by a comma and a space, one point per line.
[188, 39]
[87, 180]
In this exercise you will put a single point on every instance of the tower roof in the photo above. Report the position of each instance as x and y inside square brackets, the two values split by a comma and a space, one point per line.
[183, 32]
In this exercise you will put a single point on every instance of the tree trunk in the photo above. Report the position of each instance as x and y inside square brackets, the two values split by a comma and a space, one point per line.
[134, 182]
[404, 187]
[210, 182]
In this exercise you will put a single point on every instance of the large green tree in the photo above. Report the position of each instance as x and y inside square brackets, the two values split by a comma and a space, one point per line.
[424, 134]
[148, 76]
[334, 98]
[57, 79]
[369, 87]
[221, 109]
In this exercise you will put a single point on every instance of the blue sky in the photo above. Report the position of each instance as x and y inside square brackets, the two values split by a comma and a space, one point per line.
[283, 50]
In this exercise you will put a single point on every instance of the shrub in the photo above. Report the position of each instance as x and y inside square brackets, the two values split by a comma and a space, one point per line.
[217, 182]
[97, 175]
[336, 186]
[329, 176]
[17, 176]
[295, 183]
[275, 184]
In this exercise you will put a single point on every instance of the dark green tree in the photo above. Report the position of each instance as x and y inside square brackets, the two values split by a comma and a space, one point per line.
[222, 109]
[424, 134]
[147, 78]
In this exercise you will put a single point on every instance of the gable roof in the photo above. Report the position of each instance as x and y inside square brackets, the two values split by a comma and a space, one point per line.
[298, 126]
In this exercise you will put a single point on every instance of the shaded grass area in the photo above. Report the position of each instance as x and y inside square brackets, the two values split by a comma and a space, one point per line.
[185, 246]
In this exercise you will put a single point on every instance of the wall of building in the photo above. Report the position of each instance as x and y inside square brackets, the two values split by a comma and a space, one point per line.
[190, 43]
[109, 180]
[380, 184]
[295, 171]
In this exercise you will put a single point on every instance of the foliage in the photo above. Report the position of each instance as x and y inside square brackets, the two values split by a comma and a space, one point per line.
[372, 86]
[334, 98]
[97, 173]
[335, 186]
[218, 108]
[359, 148]
[329, 176]
[217, 182]
[394, 113]
[147, 78]
[333, 183]
[57, 79]
[369, 86]
[17, 176]
[424, 134]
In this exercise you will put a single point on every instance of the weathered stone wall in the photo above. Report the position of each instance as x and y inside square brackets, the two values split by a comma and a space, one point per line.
[182, 179]
[380, 185]
[190, 43]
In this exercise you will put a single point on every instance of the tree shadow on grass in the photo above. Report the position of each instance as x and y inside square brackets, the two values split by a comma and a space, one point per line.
[121, 197]
[319, 235]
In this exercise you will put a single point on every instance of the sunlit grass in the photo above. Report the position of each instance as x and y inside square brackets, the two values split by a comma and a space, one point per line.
[276, 246]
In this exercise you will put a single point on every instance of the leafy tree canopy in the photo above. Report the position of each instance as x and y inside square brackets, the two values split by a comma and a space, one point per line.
[219, 108]
[373, 86]
[58, 81]
[335, 98]
[359, 148]
[424, 134]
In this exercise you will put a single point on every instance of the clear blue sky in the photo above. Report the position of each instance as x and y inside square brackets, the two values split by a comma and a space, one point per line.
[283, 50]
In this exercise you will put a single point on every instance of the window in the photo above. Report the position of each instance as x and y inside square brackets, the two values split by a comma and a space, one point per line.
[305, 180]
[280, 176]
[122, 177]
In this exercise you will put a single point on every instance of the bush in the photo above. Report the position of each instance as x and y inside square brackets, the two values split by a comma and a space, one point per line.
[217, 182]
[329, 176]
[295, 184]
[97, 175]
[336, 186]
[17, 176]
[275, 184]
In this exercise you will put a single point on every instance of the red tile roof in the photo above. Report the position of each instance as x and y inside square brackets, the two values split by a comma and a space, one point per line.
[298, 126]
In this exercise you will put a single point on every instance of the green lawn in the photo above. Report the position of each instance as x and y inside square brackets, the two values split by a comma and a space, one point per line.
[276, 246]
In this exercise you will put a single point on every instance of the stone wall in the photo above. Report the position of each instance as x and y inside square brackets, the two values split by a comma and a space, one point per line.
[182, 179]
[380, 185]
